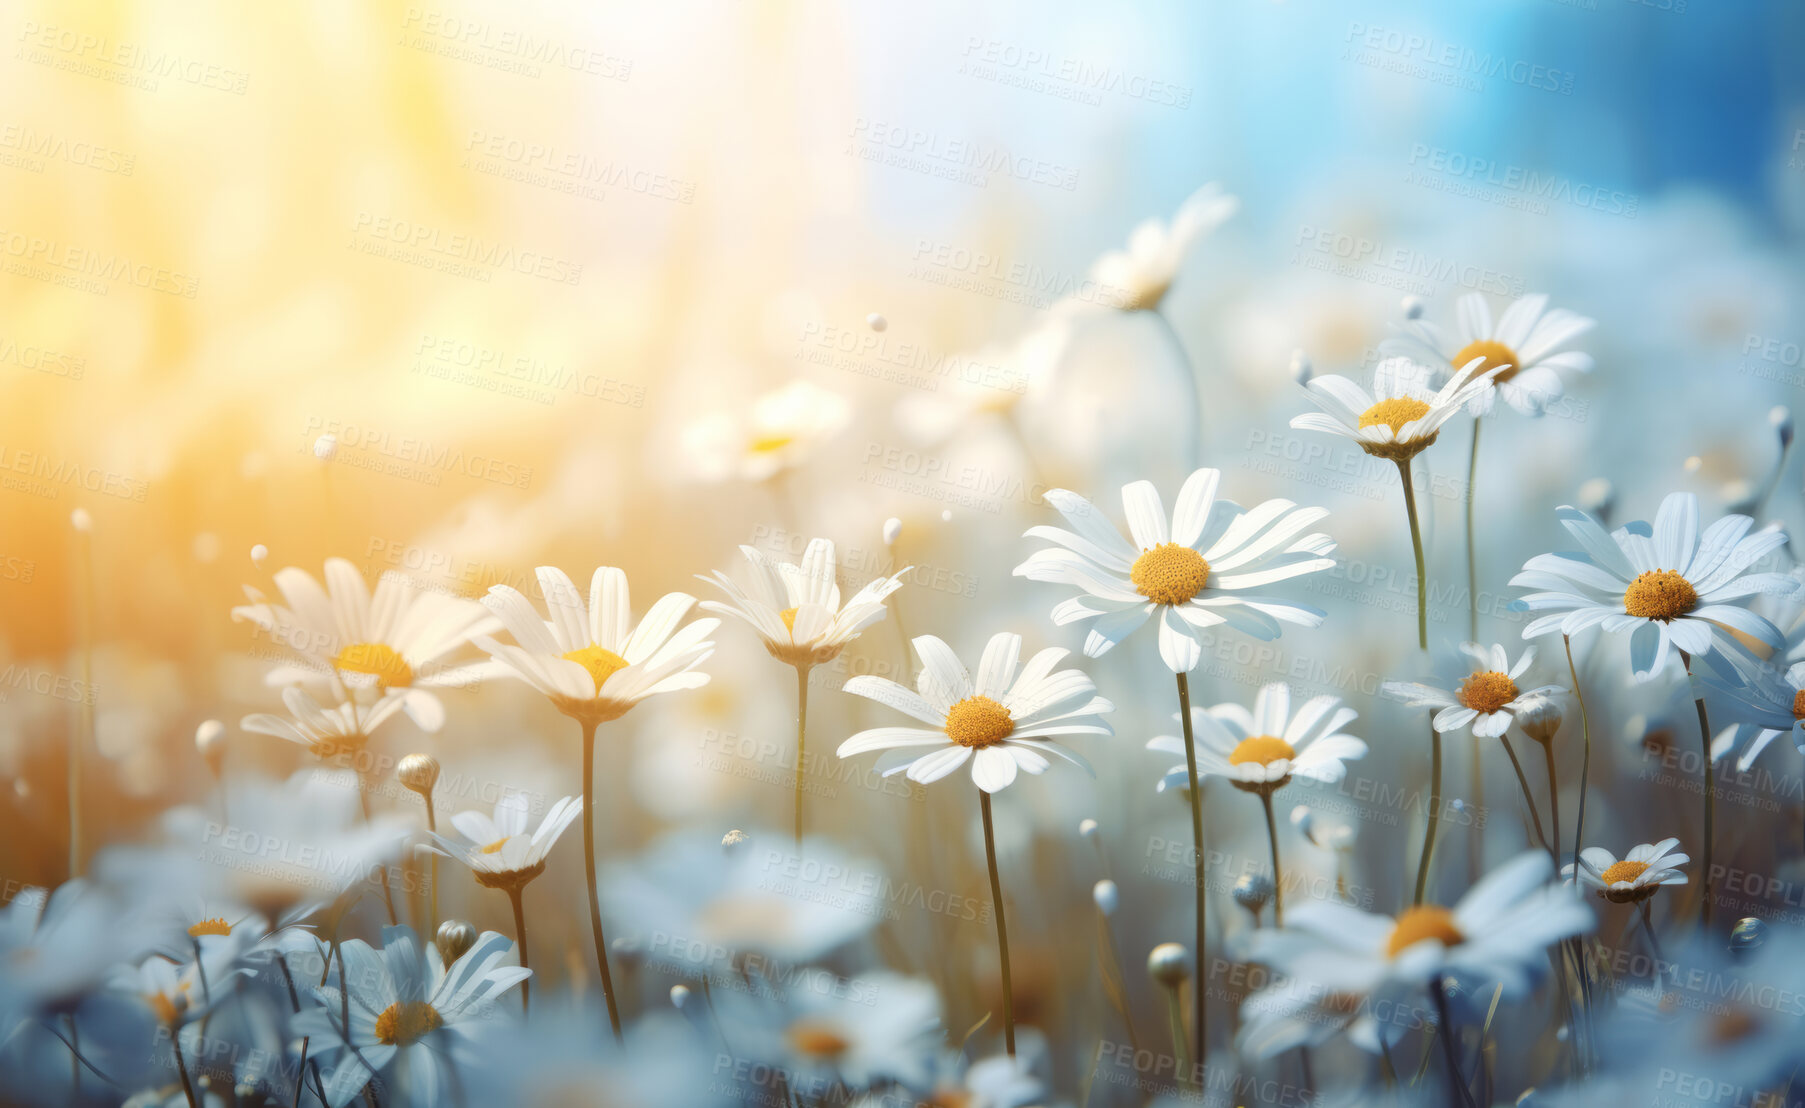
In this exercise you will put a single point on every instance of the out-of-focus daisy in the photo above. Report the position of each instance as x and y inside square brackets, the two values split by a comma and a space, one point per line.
[339, 734]
[993, 382]
[1487, 697]
[500, 852]
[1498, 931]
[1763, 701]
[391, 643]
[1670, 586]
[780, 429]
[55, 946]
[1002, 721]
[1138, 277]
[589, 659]
[407, 1008]
[1524, 345]
[1260, 751]
[179, 992]
[1637, 877]
[795, 608]
[1205, 568]
[1402, 416]
[871, 1029]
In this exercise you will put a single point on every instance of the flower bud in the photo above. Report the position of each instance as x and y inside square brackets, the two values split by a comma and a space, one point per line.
[679, 996]
[325, 448]
[892, 531]
[1252, 891]
[419, 772]
[1107, 896]
[1540, 718]
[1301, 369]
[1087, 829]
[876, 322]
[1780, 417]
[258, 554]
[81, 520]
[1747, 936]
[210, 740]
[1413, 307]
[1169, 964]
[734, 839]
[454, 940]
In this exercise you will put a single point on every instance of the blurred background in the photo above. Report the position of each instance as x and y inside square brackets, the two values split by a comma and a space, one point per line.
[581, 284]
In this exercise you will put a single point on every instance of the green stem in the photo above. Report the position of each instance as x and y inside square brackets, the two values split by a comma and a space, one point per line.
[1528, 797]
[520, 942]
[1455, 1081]
[1422, 866]
[1278, 874]
[996, 899]
[801, 730]
[181, 1066]
[1198, 994]
[1416, 546]
[1472, 547]
[432, 916]
[1554, 803]
[1585, 765]
[595, 899]
[1175, 1016]
[1704, 736]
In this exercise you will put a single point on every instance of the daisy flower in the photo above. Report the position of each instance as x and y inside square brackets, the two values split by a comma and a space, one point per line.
[1637, 877]
[795, 608]
[1203, 569]
[877, 1028]
[993, 382]
[1764, 703]
[180, 991]
[407, 1008]
[1669, 586]
[1498, 931]
[338, 734]
[1402, 416]
[589, 660]
[1003, 721]
[1487, 697]
[500, 852]
[780, 430]
[389, 643]
[1523, 345]
[1259, 751]
[1140, 275]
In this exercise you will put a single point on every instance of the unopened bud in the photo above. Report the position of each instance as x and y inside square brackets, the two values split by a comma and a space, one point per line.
[419, 772]
[1413, 307]
[1107, 896]
[892, 531]
[258, 554]
[876, 322]
[454, 940]
[1301, 369]
[1252, 891]
[1169, 964]
[210, 740]
[81, 520]
[1087, 828]
[325, 448]
[679, 996]
[734, 839]
[1540, 718]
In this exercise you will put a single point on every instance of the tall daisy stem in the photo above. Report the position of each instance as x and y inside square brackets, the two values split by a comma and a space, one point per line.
[181, 1065]
[1175, 1016]
[801, 730]
[1278, 874]
[1472, 545]
[1704, 736]
[1554, 804]
[1528, 797]
[1416, 546]
[1199, 1017]
[595, 896]
[1585, 764]
[996, 899]
[1422, 866]
[1456, 1083]
[432, 892]
[520, 942]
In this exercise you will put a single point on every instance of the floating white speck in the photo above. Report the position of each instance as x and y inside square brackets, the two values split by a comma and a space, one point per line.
[81, 520]
[259, 554]
[876, 322]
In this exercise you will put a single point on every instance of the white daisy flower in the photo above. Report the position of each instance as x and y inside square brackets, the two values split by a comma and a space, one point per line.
[177, 992]
[1524, 346]
[336, 734]
[1402, 416]
[57, 945]
[876, 1028]
[1003, 721]
[590, 661]
[391, 643]
[1499, 932]
[1260, 751]
[796, 608]
[1637, 877]
[500, 852]
[778, 431]
[1763, 701]
[1668, 584]
[1204, 569]
[1140, 275]
[408, 1008]
[1487, 697]
[993, 382]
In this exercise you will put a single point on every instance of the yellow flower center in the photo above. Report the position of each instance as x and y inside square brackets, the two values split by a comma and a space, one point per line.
[1495, 355]
[770, 444]
[817, 1040]
[164, 1008]
[1264, 749]
[1798, 704]
[494, 847]
[1659, 594]
[1425, 921]
[1624, 871]
[1394, 413]
[214, 926]
[379, 660]
[1487, 691]
[1169, 573]
[789, 619]
[600, 663]
[1732, 1026]
[405, 1022]
[978, 721]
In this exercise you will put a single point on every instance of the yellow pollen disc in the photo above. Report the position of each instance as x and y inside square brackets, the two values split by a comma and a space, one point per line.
[1169, 573]
[1624, 871]
[214, 926]
[1659, 594]
[1495, 355]
[406, 1022]
[1264, 749]
[494, 847]
[770, 444]
[789, 619]
[1394, 413]
[1487, 691]
[978, 721]
[379, 660]
[1425, 921]
[165, 1009]
[600, 663]
[1798, 704]
[817, 1041]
